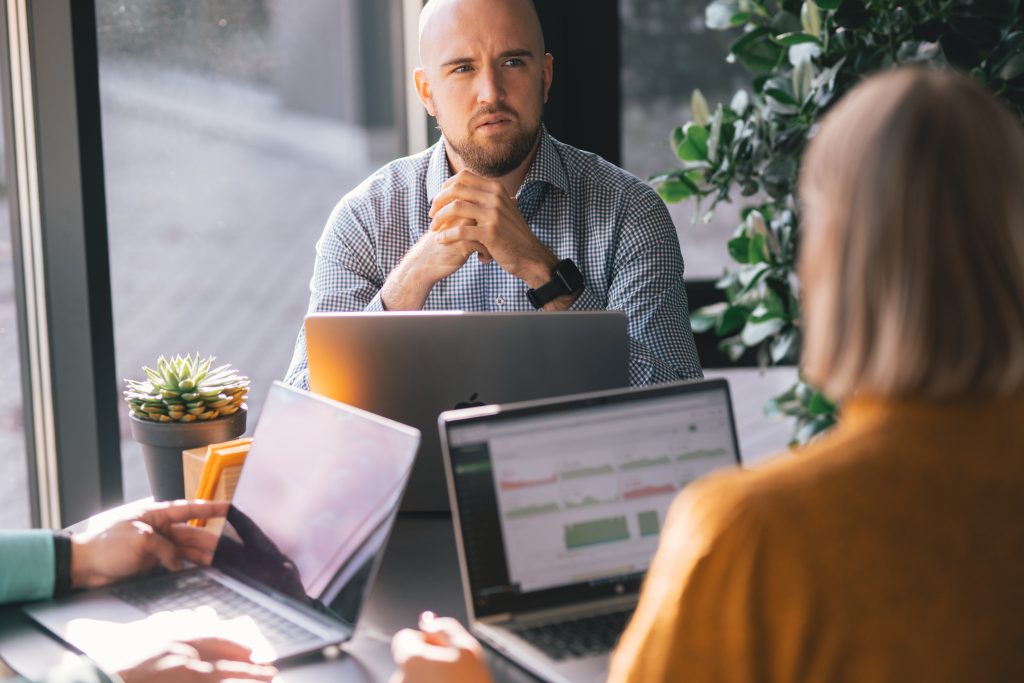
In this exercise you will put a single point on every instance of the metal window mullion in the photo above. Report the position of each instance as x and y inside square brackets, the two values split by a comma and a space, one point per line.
[43, 468]
[416, 121]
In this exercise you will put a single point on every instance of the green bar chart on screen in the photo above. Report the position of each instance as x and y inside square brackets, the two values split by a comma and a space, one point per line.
[596, 531]
[648, 523]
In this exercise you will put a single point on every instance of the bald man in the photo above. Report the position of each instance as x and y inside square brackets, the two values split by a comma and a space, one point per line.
[498, 215]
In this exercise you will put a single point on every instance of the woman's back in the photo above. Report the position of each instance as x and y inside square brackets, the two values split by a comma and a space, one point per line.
[889, 551]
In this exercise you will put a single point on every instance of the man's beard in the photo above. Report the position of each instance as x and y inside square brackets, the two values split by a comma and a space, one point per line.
[506, 153]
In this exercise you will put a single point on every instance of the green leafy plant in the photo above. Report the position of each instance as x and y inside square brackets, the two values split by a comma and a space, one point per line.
[185, 390]
[804, 56]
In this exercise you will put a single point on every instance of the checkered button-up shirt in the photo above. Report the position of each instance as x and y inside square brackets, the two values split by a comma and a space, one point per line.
[613, 226]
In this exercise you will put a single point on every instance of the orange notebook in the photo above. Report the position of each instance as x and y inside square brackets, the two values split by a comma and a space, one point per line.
[221, 466]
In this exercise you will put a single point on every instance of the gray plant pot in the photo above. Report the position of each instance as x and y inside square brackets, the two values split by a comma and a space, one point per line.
[163, 442]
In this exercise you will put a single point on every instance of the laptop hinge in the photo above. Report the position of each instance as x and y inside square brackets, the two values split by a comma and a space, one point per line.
[496, 618]
[564, 612]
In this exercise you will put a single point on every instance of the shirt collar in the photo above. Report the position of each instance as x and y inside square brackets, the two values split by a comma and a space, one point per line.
[547, 167]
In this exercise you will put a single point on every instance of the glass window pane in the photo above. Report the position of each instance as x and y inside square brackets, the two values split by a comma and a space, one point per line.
[231, 128]
[14, 487]
[666, 53]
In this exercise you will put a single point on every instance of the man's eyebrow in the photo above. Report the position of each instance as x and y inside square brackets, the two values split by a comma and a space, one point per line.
[517, 52]
[458, 60]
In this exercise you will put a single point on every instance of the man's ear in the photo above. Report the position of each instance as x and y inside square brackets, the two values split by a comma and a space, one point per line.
[549, 72]
[419, 77]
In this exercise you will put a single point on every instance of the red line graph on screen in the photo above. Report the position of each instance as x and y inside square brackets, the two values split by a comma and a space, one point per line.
[516, 484]
[645, 491]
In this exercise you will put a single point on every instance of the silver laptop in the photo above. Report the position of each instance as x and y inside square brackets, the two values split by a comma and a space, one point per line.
[311, 514]
[412, 366]
[558, 505]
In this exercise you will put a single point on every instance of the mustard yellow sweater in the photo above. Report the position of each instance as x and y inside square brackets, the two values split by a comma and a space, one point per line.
[891, 550]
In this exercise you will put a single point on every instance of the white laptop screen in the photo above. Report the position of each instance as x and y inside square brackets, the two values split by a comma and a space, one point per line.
[569, 500]
[320, 485]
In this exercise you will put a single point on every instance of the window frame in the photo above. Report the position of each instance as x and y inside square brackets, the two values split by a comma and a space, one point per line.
[58, 216]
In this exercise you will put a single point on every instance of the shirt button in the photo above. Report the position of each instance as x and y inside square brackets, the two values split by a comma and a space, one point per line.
[499, 301]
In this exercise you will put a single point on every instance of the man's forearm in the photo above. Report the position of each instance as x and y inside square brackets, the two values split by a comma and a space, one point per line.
[404, 289]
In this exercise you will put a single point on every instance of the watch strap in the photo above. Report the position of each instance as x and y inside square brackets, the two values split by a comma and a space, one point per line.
[566, 279]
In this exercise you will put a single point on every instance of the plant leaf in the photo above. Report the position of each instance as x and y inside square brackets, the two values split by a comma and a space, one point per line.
[782, 347]
[694, 146]
[676, 189]
[732, 319]
[699, 108]
[819, 405]
[756, 332]
[788, 39]
[810, 18]
[756, 50]
[739, 249]
[704, 318]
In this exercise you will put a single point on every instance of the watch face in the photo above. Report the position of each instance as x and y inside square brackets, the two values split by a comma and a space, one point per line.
[569, 275]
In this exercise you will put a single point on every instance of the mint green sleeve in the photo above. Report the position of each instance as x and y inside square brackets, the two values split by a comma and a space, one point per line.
[26, 565]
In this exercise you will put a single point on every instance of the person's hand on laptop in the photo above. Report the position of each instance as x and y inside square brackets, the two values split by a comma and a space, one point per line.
[442, 650]
[156, 535]
[201, 661]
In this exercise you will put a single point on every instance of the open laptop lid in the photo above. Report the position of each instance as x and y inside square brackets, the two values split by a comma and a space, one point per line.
[411, 366]
[315, 500]
[560, 502]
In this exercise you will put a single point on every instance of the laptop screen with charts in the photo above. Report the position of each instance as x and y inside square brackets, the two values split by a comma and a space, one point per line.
[410, 367]
[558, 504]
[310, 516]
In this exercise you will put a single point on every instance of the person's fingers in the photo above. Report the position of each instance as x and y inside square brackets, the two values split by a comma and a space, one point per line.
[458, 233]
[165, 514]
[444, 650]
[473, 180]
[454, 632]
[192, 537]
[211, 649]
[156, 546]
[437, 227]
[431, 631]
[466, 234]
[461, 209]
[481, 251]
[405, 644]
[173, 660]
[467, 193]
[228, 670]
[203, 558]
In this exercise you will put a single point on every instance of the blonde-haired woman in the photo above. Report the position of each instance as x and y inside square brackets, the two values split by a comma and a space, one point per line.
[893, 548]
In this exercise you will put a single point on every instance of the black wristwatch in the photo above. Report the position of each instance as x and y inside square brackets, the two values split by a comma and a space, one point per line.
[565, 279]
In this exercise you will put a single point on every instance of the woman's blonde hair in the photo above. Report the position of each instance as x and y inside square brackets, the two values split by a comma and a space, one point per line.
[913, 256]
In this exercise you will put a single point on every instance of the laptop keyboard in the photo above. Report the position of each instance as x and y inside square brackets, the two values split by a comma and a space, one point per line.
[594, 635]
[194, 590]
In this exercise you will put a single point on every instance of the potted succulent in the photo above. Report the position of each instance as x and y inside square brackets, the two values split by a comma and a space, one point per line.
[183, 403]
